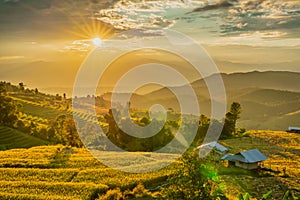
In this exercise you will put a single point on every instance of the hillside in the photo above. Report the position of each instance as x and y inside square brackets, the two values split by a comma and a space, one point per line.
[57, 172]
[270, 102]
[283, 152]
[11, 138]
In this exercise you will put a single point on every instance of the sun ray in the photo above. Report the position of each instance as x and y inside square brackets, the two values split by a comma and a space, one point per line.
[85, 24]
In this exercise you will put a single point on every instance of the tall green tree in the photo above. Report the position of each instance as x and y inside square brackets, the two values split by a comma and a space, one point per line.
[70, 133]
[64, 131]
[231, 118]
[8, 109]
[236, 110]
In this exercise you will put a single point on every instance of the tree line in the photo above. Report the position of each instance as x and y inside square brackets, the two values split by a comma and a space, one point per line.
[127, 142]
[62, 129]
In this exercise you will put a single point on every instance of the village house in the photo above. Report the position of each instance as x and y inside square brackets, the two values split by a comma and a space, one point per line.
[246, 159]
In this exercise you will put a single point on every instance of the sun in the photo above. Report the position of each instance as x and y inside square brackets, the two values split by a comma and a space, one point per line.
[97, 41]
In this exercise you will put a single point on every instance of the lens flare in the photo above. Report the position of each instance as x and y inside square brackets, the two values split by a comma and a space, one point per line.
[97, 41]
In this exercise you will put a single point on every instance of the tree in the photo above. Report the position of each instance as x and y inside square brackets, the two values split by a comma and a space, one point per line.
[122, 139]
[2, 88]
[70, 133]
[8, 110]
[21, 86]
[64, 131]
[193, 178]
[58, 97]
[230, 119]
[236, 110]
[57, 127]
[203, 120]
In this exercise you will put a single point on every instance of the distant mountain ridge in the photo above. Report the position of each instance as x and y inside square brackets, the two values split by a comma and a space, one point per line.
[270, 99]
[277, 80]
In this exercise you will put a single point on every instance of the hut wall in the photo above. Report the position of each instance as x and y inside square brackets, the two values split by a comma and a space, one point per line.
[246, 165]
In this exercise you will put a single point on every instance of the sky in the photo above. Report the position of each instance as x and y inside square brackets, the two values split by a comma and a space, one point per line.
[44, 43]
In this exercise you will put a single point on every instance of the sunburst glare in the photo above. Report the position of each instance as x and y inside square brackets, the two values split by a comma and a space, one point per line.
[86, 25]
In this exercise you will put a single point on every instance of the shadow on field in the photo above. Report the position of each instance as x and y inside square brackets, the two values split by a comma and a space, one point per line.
[60, 157]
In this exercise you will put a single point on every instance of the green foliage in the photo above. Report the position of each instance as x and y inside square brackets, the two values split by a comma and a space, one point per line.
[130, 143]
[8, 110]
[64, 131]
[2, 88]
[192, 179]
[286, 195]
[289, 195]
[267, 195]
[246, 197]
[230, 120]
[241, 131]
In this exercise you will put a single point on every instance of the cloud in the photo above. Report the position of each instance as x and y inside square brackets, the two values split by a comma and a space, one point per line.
[214, 18]
[257, 38]
[7, 58]
[142, 14]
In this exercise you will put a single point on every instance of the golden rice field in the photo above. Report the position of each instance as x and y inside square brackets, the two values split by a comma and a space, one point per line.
[57, 172]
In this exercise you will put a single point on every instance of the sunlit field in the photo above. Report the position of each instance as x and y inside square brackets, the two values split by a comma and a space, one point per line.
[59, 172]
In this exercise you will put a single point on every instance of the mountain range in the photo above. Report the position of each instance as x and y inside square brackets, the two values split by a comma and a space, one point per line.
[269, 100]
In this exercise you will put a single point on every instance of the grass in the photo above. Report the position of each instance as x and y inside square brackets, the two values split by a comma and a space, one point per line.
[11, 138]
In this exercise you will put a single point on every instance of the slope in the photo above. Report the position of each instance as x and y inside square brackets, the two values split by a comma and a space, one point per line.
[11, 138]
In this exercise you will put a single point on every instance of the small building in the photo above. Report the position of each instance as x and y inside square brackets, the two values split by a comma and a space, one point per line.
[204, 149]
[246, 159]
[293, 129]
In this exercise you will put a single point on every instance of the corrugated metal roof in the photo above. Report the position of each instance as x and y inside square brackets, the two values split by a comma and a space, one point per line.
[250, 156]
[227, 157]
[253, 156]
[294, 128]
[212, 145]
[233, 157]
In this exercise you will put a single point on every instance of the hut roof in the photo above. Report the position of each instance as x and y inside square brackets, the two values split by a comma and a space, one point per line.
[251, 156]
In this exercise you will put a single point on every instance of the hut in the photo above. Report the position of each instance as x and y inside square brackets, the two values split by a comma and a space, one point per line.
[246, 159]
[204, 149]
[293, 129]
